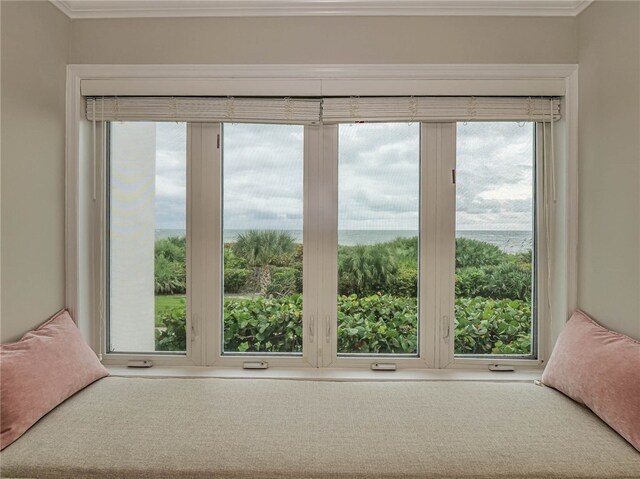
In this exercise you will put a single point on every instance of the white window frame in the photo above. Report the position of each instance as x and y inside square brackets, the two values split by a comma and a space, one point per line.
[85, 254]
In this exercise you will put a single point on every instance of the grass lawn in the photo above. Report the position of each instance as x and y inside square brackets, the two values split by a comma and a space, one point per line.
[166, 301]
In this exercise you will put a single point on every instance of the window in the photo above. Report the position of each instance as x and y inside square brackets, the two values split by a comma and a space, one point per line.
[344, 244]
[495, 240]
[263, 169]
[378, 238]
[147, 273]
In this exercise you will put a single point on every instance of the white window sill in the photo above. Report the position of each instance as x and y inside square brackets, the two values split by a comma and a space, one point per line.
[317, 374]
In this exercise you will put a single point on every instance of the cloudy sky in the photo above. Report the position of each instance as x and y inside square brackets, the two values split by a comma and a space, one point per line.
[494, 178]
[171, 175]
[378, 176]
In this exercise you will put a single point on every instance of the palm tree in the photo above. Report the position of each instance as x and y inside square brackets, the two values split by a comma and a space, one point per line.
[365, 269]
[261, 249]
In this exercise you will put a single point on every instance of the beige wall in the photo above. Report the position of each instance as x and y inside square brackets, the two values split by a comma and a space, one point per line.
[38, 40]
[35, 38]
[609, 171]
[325, 40]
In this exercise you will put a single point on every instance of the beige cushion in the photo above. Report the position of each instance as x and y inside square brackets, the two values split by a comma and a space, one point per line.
[232, 428]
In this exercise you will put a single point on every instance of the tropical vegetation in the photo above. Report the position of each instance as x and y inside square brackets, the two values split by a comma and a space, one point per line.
[377, 296]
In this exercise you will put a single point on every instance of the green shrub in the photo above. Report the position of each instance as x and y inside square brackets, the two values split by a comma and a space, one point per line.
[231, 260]
[405, 250]
[170, 276]
[365, 269]
[486, 326]
[388, 268]
[377, 324]
[262, 249]
[172, 248]
[507, 280]
[284, 282]
[475, 253]
[263, 324]
[471, 282]
[170, 265]
[295, 262]
[235, 279]
[174, 335]
[372, 324]
[405, 281]
[525, 257]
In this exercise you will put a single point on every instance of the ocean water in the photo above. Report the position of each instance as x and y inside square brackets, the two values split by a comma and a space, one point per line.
[508, 241]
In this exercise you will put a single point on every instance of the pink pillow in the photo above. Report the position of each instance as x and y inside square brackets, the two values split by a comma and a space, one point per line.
[600, 369]
[40, 371]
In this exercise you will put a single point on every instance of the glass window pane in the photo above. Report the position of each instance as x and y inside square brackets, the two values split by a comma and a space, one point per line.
[263, 169]
[378, 224]
[147, 226]
[494, 238]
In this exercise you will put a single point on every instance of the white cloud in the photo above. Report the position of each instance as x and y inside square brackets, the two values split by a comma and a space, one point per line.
[378, 176]
[494, 176]
[171, 175]
[263, 176]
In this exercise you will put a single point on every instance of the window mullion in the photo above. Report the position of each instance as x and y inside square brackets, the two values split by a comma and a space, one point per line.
[193, 235]
[428, 229]
[311, 241]
[207, 246]
[203, 241]
[441, 139]
[328, 205]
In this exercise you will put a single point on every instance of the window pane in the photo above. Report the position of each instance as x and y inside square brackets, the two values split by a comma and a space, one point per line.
[378, 222]
[494, 238]
[263, 169]
[147, 226]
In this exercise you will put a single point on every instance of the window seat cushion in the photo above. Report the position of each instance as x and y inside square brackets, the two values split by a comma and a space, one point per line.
[261, 428]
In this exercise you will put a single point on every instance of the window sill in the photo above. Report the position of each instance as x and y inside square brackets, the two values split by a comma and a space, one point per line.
[317, 374]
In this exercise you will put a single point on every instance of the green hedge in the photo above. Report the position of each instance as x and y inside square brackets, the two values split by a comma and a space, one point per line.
[263, 324]
[507, 280]
[172, 333]
[372, 324]
[377, 324]
[487, 326]
[170, 266]
[391, 268]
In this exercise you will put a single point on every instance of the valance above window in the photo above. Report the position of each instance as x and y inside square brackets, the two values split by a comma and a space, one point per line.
[325, 110]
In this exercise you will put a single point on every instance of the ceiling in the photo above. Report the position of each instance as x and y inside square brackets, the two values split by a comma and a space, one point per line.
[262, 8]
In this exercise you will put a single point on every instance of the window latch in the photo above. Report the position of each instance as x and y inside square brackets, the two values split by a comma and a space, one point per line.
[453, 176]
[328, 336]
[501, 367]
[383, 366]
[446, 326]
[141, 363]
[311, 327]
[255, 365]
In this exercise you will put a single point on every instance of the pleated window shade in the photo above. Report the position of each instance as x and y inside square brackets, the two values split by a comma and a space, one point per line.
[191, 109]
[326, 110]
[439, 109]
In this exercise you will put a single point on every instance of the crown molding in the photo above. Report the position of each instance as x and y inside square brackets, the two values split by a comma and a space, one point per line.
[327, 71]
[78, 9]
